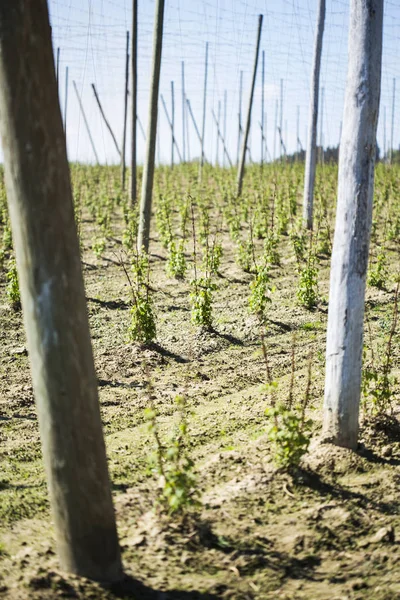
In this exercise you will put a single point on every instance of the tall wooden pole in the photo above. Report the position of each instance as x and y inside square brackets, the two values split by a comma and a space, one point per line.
[105, 118]
[148, 171]
[123, 145]
[353, 224]
[193, 120]
[248, 120]
[86, 122]
[183, 112]
[134, 50]
[262, 106]
[203, 125]
[311, 153]
[53, 297]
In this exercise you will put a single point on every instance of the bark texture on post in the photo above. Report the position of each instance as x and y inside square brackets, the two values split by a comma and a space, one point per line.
[53, 298]
[248, 119]
[134, 99]
[353, 224]
[311, 151]
[148, 170]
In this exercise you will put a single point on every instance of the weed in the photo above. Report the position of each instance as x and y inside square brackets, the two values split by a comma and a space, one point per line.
[13, 293]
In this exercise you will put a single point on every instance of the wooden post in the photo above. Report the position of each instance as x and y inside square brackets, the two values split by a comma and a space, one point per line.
[86, 122]
[311, 157]
[134, 50]
[240, 117]
[148, 171]
[183, 112]
[172, 123]
[353, 224]
[203, 126]
[105, 118]
[248, 120]
[262, 106]
[53, 297]
[123, 145]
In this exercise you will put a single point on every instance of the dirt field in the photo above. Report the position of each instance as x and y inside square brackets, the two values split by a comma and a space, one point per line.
[327, 531]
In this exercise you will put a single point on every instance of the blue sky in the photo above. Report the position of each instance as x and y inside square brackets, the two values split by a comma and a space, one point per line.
[91, 35]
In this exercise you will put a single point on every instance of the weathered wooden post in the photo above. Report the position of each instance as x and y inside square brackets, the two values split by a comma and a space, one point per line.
[134, 47]
[53, 297]
[123, 145]
[353, 224]
[148, 171]
[203, 125]
[248, 120]
[311, 152]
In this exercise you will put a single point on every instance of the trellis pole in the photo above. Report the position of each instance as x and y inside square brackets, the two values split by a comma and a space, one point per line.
[134, 47]
[203, 126]
[262, 106]
[240, 117]
[123, 145]
[105, 118]
[311, 152]
[183, 112]
[53, 296]
[148, 171]
[86, 122]
[353, 224]
[248, 120]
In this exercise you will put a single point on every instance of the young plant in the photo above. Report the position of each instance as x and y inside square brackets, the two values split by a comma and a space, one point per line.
[143, 325]
[260, 292]
[378, 273]
[172, 463]
[307, 291]
[176, 263]
[290, 430]
[13, 293]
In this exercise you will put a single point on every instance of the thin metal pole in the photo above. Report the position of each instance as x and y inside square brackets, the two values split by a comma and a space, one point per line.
[222, 140]
[148, 172]
[86, 123]
[248, 120]
[134, 47]
[183, 112]
[240, 116]
[174, 142]
[66, 100]
[203, 127]
[262, 106]
[123, 147]
[172, 123]
[218, 122]
[392, 128]
[105, 118]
